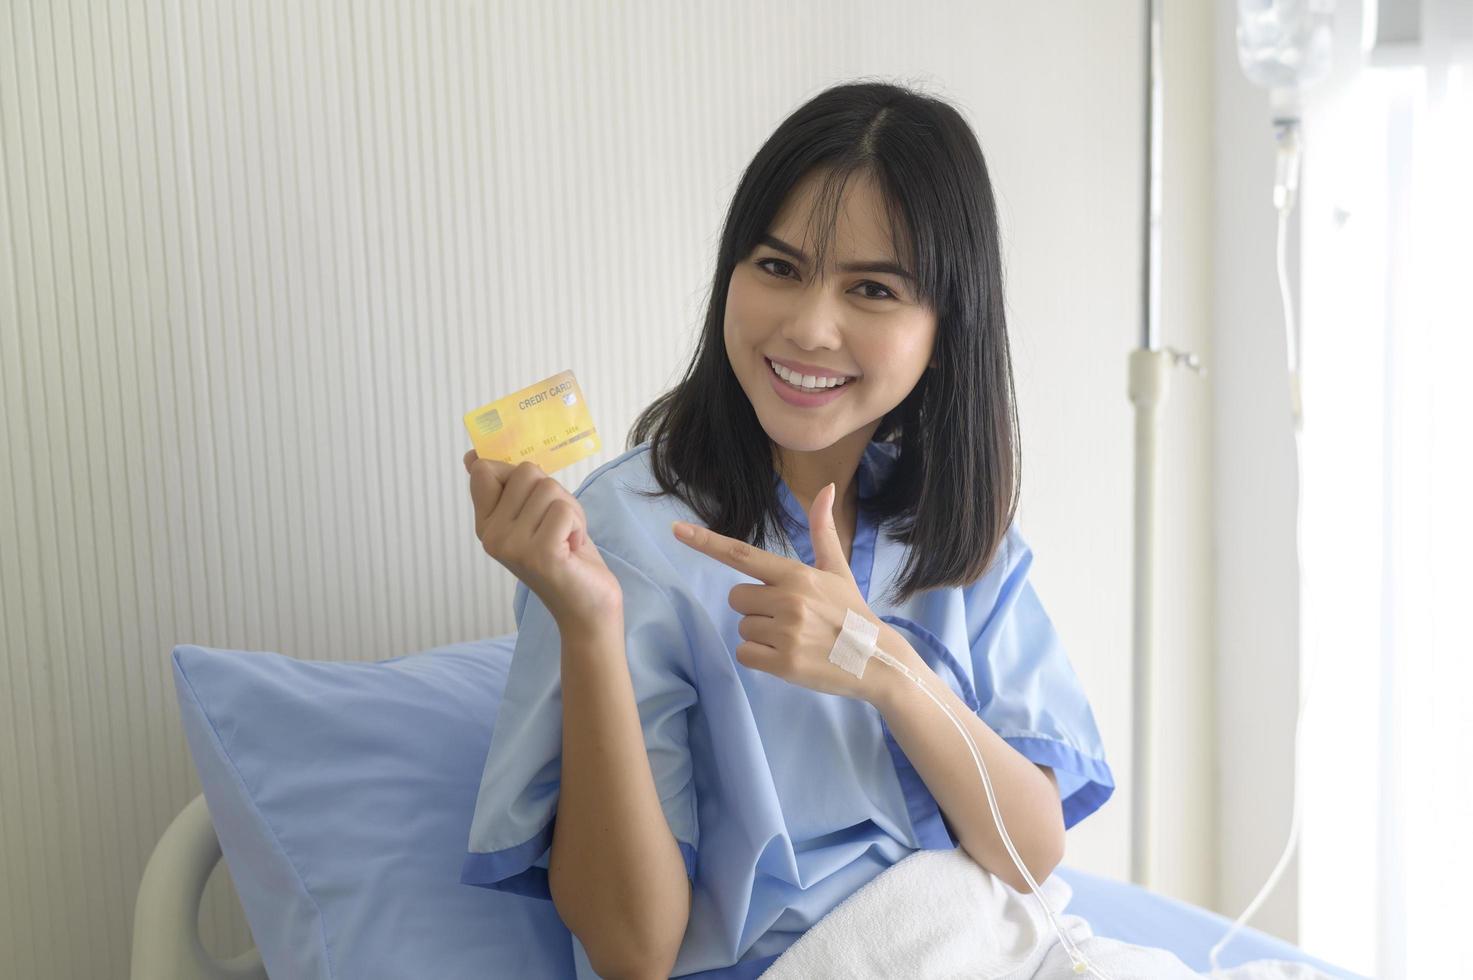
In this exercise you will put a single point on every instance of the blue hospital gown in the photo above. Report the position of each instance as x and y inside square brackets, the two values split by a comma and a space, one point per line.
[784, 800]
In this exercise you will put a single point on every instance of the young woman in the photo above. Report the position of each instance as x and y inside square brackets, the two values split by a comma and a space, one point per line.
[676, 763]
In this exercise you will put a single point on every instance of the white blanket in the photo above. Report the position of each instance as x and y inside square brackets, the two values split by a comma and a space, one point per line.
[938, 914]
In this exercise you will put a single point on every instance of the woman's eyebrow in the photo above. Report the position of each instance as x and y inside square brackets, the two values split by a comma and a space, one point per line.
[890, 268]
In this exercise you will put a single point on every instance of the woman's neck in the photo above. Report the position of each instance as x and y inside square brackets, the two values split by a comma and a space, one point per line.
[808, 472]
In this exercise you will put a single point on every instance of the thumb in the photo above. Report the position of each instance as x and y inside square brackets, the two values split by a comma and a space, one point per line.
[828, 551]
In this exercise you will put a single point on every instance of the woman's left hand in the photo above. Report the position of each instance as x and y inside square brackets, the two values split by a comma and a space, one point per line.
[790, 623]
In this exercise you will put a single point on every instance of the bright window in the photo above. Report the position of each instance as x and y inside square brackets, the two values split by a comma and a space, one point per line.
[1387, 780]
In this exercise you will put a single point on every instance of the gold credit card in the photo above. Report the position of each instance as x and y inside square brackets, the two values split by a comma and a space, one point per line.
[547, 423]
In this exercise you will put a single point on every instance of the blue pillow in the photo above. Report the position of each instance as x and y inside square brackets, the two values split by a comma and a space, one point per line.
[342, 793]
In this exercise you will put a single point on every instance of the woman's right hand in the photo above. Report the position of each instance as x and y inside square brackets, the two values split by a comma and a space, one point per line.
[538, 530]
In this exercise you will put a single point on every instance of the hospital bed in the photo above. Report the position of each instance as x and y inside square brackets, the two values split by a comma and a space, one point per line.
[240, 707]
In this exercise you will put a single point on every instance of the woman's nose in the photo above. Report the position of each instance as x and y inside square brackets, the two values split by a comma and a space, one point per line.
[816, 320]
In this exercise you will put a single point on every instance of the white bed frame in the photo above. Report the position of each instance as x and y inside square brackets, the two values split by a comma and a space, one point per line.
[166, 942]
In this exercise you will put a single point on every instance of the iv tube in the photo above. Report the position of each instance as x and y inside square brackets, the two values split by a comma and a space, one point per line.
[1285, 45]
[1286, 132]
[1081, 964]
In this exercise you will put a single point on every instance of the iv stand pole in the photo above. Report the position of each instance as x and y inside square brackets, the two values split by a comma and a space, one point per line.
[1148, 374]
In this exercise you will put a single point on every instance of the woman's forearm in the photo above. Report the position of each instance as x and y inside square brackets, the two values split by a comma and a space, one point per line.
[615, 871]
[1026, 796]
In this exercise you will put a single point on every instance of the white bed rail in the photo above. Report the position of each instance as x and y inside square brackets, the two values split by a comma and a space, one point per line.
[166, 942]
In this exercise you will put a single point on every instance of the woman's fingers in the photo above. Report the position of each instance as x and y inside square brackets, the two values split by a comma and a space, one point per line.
[761, 629]
[512, 501]
[515, 489]
[488, 483]
[544, 493]
[557, 525]
[752, 599]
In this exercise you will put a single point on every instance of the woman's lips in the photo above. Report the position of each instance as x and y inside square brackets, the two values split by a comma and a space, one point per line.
[800, 368]
[803, 399]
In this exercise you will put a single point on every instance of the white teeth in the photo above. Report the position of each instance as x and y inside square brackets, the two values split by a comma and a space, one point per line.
[805, 382]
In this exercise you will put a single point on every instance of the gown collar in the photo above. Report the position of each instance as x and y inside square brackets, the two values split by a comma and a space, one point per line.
[862, 550]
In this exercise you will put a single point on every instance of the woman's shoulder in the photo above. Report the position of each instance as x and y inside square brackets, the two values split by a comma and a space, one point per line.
[630, 517]
[1009, 566]
[621, 485]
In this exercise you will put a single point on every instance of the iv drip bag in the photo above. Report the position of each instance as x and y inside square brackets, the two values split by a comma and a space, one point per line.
[1285, 44]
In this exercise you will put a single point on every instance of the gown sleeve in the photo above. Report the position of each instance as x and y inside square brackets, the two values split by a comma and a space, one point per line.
[1026, 689]
[1018, 679]
[516, 806]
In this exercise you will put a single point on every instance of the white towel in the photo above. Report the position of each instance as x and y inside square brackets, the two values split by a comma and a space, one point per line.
[938, 914]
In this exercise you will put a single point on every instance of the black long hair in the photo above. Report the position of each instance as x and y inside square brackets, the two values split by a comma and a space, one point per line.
[954, 490]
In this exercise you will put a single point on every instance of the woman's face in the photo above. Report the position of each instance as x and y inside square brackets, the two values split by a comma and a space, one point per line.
[866, 325]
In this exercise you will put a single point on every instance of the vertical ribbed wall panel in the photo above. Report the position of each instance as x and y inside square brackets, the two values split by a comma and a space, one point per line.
[256, 261]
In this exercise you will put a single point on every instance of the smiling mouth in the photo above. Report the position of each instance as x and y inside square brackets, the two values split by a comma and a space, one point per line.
[780, 373]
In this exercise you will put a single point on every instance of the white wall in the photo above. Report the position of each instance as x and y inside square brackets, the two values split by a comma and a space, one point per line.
[256, 260]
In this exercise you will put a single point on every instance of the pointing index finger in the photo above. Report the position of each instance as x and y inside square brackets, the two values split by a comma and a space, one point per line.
[740, 555]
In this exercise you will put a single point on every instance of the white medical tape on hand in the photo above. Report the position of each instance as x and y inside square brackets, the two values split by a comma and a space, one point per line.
[855, 643]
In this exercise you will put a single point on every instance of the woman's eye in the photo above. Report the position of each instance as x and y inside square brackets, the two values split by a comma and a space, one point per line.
[765, 265]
